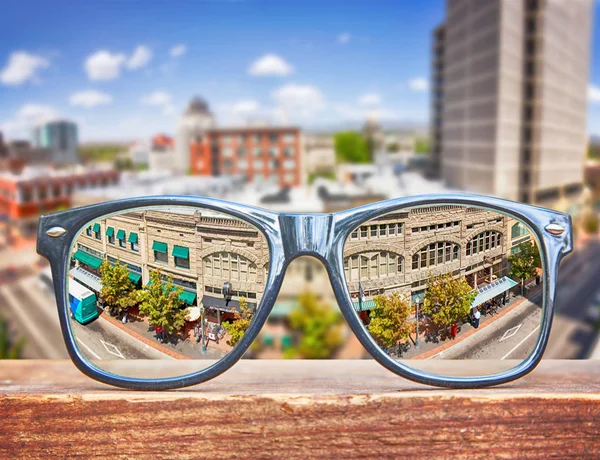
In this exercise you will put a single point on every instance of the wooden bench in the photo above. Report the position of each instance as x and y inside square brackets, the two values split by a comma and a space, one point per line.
[299, 409]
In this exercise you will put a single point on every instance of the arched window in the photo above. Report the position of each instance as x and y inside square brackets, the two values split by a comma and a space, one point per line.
[484, 242]
[435, 254]
[229, 266]
[361, 267]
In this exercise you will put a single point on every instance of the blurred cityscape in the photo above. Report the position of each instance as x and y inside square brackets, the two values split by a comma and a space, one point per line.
[510, 91]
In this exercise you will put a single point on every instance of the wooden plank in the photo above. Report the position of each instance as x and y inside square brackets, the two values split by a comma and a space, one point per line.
[300, 409]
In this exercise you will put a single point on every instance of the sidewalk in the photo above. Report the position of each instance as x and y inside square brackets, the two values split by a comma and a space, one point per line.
[183, 349]
[427, 350]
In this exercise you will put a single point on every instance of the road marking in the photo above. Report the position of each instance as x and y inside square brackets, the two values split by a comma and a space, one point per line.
[520, 343]
[110, 347]
[510, 332]
[92, 352]
[35, 332]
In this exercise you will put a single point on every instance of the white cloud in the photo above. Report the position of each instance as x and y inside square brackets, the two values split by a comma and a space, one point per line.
[270, 65]
[90, 98]
[140, 57]
[352, 113]
[344, 38]
[178, 50]
[25, 119]
[594, 94]
[22, 67]
[103, 65]
[245, 108]
[369, 99]
[299, 100]
[159, 99]
[418, 84]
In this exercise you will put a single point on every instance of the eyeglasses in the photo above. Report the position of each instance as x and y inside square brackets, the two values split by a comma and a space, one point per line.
[164, 292]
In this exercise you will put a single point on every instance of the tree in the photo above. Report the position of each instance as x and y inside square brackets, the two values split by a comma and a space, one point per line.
[8, 348]
[422, 145]
[318, 327]
[447, 299]
[590, 224]
[393, 147]
[390, 323]
[351, 147]
[524, 263]
[118, 291]
[160, 302]
[240, 324]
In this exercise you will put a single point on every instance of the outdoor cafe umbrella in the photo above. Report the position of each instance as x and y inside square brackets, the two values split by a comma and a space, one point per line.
[192, 313]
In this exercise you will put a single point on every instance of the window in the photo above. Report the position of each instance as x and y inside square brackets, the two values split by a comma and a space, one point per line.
[96, 230]
[121, 238]
[484, 242]
[88, 231]
[363, 232]
[289, 152]
[354, 235]
[258, 164]
[382, 230]
[274, 151]
[228, 152]
[518, 230]
[273, 137]
[161, 254]
[362, 267]
[181, 256]
[110, 234]
[241, 152]
[434, 254]
[373, 231]
[229, 266]
[133, 241]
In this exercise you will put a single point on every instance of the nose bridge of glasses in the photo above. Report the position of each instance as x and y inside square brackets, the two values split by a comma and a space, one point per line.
[306, 234]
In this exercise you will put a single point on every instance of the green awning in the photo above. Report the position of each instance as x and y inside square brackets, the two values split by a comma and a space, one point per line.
[188, 297]
[121, 235]
[133, 237]
[96, 227]
[160, 247]
[88, 259]
[135, 277]
[366, 305]
[110, 231]
[181, 252]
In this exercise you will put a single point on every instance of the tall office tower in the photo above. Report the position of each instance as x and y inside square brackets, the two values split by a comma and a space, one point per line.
[194, 123]
[60, 138]
[509, 85]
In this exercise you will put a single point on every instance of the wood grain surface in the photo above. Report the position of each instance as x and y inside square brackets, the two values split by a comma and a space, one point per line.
[299, 409]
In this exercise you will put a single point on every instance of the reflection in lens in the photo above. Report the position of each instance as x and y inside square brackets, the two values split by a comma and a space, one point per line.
[162, 285]
[454, 290]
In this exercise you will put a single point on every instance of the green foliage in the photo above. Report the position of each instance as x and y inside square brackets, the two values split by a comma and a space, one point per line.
[8, 349]
[593, 151]
[422, 145]
[118, 291]
[124, 164]
[318, 327]
[590, 224]
[447, 299]
[101, 152]
[393, 147]
[351, 147]
[524, 263]
[390, 320]
[161, 304]
[323, 174]
[240, 324]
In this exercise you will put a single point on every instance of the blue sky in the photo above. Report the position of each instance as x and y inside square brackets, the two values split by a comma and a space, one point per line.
[126, 69]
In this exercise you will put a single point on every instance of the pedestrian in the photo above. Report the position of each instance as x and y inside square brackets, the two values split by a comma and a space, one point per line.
[124, 319]
[476, 317]
[454, 330]
[159, 333]
[197, 332]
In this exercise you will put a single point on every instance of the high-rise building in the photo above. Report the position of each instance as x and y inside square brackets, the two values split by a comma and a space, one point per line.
[509, 83]
[61, 138]
[194, 123]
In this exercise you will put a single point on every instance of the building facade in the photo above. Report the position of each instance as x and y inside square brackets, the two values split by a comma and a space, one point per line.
[24, 197]
[193, 124]
[61, 139]
[200, 251]
[262, 154]
[509, 97]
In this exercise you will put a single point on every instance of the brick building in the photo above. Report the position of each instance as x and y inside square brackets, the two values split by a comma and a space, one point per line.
[25, 196]
[201, 251]
[265, 154]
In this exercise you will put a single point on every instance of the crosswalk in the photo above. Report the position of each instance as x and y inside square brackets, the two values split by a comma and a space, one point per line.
[34, 315]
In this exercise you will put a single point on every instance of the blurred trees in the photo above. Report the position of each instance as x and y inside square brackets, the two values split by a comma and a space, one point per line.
[8, 348]
[160, 302]
[237, 328]
[390, 323]
[590, 224]
[351, 147]
[422, 145]
[317, 327]
[118, 291]
[447, 299]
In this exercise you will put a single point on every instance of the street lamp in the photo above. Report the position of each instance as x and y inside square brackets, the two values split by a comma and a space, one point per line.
[417, 326]
[203, 336]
